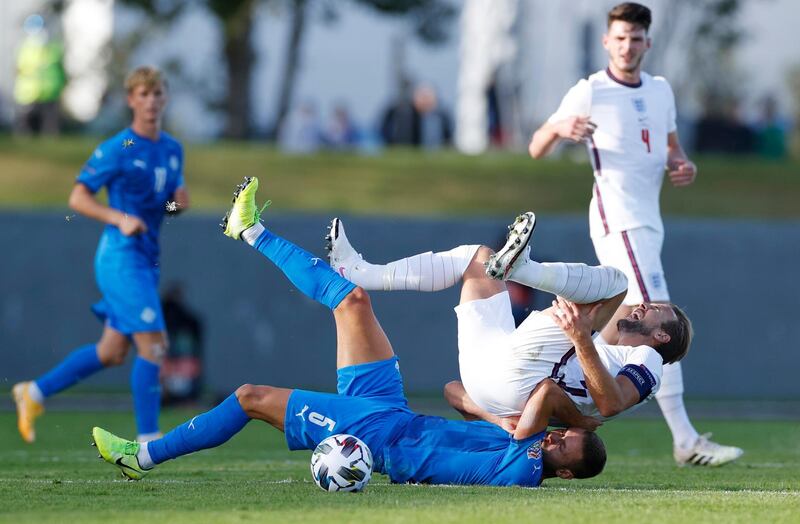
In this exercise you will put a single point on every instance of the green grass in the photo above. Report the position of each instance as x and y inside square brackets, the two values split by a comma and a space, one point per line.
[39, 174]
[254, 479]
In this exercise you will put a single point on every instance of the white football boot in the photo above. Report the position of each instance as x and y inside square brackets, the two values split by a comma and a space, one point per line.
[500, 265]
[342, 257]
[705, 452]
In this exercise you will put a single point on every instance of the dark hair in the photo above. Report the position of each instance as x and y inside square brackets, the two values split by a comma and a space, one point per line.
[593, 460]
[680, 333]
[631, 12]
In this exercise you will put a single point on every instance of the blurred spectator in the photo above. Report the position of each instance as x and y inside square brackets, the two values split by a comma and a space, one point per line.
[400, 121]
[435, 124]
[497, 134]
[39, 81]
[771, 131]
[341, 133]
[301, 133]
[721, 130]
[182, 371]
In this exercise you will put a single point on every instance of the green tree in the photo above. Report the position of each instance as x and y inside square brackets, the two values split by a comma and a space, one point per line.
[429, 18]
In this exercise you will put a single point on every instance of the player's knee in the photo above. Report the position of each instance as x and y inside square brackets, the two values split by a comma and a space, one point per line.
[483, 254]
[477, 268]
[252, 397]
[154, 352]
[358, 298]
[112, 354]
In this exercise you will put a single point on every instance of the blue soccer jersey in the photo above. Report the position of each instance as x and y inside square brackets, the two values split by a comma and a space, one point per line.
[408, 447]
[433, 450]
[140, 176]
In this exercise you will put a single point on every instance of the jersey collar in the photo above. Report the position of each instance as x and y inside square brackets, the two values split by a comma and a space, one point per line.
[622, 82]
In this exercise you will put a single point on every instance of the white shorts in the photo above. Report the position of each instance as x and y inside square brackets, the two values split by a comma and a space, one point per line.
[500, 365]
[637, 253]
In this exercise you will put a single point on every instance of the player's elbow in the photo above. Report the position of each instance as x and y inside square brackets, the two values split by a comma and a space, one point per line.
[77, 197]
[534, 149]
[610, 409]
[452, 391]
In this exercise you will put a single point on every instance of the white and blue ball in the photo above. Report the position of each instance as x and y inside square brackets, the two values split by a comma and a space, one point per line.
[341, 463]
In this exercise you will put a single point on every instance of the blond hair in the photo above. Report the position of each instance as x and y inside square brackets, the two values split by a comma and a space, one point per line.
[147, 76]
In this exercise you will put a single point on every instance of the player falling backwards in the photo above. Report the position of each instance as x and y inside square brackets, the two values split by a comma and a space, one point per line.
[142, 170]
[626, 117]
[370, 402]
[501, 364]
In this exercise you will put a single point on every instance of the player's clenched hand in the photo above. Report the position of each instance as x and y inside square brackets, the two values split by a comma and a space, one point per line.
[131, 225]
[576, 128]
[574, 319]
[682, 173]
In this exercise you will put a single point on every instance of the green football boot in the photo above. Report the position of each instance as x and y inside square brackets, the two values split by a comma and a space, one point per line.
[244, 213]
[120, 452]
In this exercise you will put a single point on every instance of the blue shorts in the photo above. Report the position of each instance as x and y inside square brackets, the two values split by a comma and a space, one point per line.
[130, 302]
[370, 405]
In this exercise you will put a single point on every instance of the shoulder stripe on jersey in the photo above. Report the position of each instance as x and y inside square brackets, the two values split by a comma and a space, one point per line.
[636, 271]
[598, 172]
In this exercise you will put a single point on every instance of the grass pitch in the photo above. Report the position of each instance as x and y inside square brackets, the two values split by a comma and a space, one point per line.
[253, 478]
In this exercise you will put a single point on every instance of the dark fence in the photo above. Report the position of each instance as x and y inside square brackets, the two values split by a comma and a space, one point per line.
[737, 280]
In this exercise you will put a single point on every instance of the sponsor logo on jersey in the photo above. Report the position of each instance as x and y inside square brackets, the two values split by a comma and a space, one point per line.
[173, 163]
[141, 164]
[535, 450]
[639, 105]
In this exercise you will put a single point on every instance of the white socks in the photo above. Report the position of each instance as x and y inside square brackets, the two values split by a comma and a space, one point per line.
[577, 283]
[143, 456]
[251, 234]
[424, 272]
[35, 393]
[670, 400]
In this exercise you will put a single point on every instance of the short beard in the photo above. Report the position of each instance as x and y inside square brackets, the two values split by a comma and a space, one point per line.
[632, 326]
[634, 66]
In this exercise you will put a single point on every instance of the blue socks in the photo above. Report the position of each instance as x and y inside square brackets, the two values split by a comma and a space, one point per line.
[78, 365]
[208, 430]
[311, 275]
[146, 391]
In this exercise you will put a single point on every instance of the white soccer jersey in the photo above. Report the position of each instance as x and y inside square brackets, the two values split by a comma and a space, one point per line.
[642, 364]
[628, 150]
[500, 365]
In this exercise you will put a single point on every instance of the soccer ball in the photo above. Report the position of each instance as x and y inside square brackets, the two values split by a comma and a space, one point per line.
[341, 463]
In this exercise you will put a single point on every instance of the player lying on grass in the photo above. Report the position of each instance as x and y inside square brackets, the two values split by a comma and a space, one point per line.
[501, 365]
[370, 403]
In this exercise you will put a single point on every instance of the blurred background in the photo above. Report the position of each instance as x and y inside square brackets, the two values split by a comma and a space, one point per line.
[411, 118]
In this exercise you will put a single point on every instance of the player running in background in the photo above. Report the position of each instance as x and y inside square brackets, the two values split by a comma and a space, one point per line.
[370, 403]
[626, 117]
[142, 170]
[501, 364]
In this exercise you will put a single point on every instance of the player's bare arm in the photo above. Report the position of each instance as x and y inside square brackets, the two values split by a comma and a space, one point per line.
[84, 202]
[564, 411]
[612, 395]
[680, 169]
[573, 128]
[459, 399]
